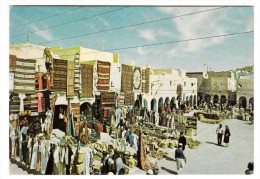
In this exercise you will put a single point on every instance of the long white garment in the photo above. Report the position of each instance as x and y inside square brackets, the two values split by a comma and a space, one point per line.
[45, 149]
[29, 146]
[56, 160]
[89, 154]
[34, 154]
[156, 118]
[22, 96]
[20, 146]
[47, 121]
[12, 136]
[118, 115]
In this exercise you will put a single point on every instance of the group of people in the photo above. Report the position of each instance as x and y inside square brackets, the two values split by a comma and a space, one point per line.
[220, 132]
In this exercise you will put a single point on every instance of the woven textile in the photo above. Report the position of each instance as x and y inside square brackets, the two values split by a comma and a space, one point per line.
[103, 69]
[146, 80]
[70, 78]
[12, 62]
[86, 80]
[77, 86]
[108, 99]
[60, 75]
[129, 98]
[24, 78]
[127, 78]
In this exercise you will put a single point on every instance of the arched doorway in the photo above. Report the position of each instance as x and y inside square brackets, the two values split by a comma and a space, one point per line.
[191, 101]
[58, 123]
[187, 101]
[160, 103]
[86, 108]
[153, 105]
[207, 98]
[215, 99]
[242, 102]
[172, 103]
[195, 100]
[166, 102]
[251, 103]
[145, 103]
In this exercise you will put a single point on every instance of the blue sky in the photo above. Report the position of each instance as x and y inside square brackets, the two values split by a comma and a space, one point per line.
[222, 53]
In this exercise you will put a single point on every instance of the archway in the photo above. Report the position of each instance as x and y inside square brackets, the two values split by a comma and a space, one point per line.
[207, 98]
[251, 103]
[172, 103]
[160, 104]
[195, 100]
[191, 101]
[145, 103]
[86, 108]
[242, 102]
[187, 101]
[166, 102]
[153, 105]
[215, 99]
[58, 123]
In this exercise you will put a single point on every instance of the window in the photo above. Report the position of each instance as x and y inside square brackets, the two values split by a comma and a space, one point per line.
[184, 83]
[170, 83]
[191, 84]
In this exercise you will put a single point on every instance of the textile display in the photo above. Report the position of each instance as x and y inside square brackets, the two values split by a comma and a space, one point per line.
[24, 78]
[39, 81]
[129, 98]
[47, 81]
[86, 80]
[52, 104]
[103, 69]
[137, 78]
[77, 86]
[60, 75]
[70, 78]
[39, 95]
[22, 96]
[11, 82]
[75, 109]
[121, 99]
[127, 78]
[15, 103]
[12, 62]
[144, 161]
[108, 99]
[146, 80]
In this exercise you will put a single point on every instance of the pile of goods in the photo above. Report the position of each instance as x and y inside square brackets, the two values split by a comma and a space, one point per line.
[158, 154]
[192, 143]
[210, 118]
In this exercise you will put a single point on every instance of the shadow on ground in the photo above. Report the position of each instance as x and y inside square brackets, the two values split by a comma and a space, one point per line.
[169, 158]
[214, 144]
[169, 171]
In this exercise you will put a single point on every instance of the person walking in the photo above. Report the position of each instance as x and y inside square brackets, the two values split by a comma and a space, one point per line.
[220, 133]
[226, 135]
[182, 140]
[180, 157]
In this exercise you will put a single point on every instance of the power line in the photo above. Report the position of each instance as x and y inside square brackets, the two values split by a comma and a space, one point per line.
[71, 21]
[178, 41]
[48, 17]
[122, 27]
[170, 42]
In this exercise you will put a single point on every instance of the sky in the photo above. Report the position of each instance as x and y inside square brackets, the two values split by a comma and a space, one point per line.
[147, 29]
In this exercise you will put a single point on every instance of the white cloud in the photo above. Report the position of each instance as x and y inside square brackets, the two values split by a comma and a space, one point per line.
[104, 21]
[195, 26]
[147, 34]
[46, 35]
[141, 51]
[152, 35]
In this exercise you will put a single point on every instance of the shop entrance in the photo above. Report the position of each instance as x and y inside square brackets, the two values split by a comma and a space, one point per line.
[58, 122]
[87, 110]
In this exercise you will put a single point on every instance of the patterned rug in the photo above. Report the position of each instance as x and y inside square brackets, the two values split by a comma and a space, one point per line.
[103, 69]
[86, 80]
